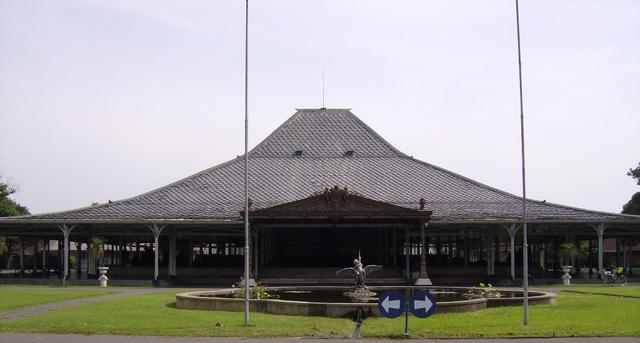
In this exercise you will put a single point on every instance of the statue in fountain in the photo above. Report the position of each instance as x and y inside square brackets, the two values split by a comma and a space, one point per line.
[360, 290]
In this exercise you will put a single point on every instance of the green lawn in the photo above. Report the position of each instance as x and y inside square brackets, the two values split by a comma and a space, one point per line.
[625, 291]
[572, 315]
[155, 314]
[14, 298]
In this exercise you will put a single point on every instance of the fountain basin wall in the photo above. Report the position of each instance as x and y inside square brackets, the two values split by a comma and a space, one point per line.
[223, 300]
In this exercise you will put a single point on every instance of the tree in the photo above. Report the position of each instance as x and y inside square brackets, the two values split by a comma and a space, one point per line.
[8, 208]
[97, 245]
[635, 173]
[633, 206]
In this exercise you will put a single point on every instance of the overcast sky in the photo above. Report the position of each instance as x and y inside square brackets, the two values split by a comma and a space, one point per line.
[107, 99]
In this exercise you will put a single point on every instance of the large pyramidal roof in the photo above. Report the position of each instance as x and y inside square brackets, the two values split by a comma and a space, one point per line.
[279, 175]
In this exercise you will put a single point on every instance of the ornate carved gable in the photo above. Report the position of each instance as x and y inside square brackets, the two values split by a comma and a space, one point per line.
[338, 203]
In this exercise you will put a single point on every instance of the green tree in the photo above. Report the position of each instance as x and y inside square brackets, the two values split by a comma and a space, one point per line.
[8, 208]
[97, 245]
[633, 206]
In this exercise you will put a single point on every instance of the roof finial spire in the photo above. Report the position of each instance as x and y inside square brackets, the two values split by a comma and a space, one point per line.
[323, 108]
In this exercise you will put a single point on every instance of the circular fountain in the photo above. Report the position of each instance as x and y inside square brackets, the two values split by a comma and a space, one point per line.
[338, 301]
[330, 301]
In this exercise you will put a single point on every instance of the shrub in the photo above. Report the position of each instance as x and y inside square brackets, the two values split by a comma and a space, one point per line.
[257, 292]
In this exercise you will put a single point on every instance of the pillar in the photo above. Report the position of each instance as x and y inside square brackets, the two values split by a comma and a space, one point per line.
[489, 254]
[79, 251]
[255, 253]
[191, 251]
[35, 256]
[45, 249]
[512, 230]
[395, 248]
[172, 255]
[121, 249]
[156, 230]
[66, 231]
[467, 248]
[625, 261]
[137, 251]
[600, 232]
[112, 250]
[21, 243]
[60, 258]
[629, 257]
[423, 278]
[406, 255]
[617, 252]
[91, 258]
[386, 246]
[494, 253]
[556, 254]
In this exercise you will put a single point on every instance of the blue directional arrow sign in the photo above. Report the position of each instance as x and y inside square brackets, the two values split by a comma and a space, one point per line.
[391, 304]
[422, 304]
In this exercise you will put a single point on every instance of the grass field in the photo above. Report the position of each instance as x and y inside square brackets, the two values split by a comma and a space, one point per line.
[572, 315]
[624, 291]
[11, 298]
[155, 314]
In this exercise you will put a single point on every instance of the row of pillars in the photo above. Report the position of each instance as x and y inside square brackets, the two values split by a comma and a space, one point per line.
[512, 230]
[156, 230]
[66, 230]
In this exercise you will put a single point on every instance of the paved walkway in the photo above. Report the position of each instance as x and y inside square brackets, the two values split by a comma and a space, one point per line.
[51, 338]
[30, 311]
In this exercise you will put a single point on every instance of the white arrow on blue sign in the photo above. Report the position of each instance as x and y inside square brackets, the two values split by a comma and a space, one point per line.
[391, 304]
[422, 304]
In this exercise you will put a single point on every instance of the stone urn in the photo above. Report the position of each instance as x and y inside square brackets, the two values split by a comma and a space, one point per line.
[566, 278]
[103, 276]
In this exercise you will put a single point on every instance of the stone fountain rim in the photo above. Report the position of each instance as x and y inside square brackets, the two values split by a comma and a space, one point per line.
[200, 295]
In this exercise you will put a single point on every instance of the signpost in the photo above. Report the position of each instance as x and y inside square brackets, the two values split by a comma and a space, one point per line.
[391, 304]
[422, 304]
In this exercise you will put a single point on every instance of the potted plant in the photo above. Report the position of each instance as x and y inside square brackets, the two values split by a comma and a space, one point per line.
[568, 252]
[98, 249]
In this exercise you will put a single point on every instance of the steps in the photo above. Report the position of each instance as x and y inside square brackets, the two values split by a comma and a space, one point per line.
[325, 276]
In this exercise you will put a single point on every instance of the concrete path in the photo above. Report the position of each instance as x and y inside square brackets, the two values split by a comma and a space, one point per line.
[50, 338]
[30, 311]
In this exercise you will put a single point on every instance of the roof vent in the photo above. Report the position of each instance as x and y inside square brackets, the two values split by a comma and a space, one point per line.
[349, 153]
[297, 153]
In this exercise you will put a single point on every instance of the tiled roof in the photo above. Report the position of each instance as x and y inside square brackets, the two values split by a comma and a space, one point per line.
[278, 175]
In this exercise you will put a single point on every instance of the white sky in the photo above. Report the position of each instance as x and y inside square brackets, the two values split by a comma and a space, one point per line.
[108, 99]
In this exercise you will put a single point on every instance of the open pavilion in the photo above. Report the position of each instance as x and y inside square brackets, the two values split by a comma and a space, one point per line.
[323, 187]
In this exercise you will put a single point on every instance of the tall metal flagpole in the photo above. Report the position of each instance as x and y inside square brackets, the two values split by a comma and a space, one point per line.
[525, 246]
[246, 164]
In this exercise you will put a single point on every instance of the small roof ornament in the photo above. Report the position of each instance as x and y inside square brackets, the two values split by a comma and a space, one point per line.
[422, 203]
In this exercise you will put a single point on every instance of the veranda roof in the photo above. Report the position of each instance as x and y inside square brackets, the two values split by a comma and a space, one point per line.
[313, 150]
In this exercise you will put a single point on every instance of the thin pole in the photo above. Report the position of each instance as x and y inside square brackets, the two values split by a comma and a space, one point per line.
[246, 164]
[323, 88]
[525, 246]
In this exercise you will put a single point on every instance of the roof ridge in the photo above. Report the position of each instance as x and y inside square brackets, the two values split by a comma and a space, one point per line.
[519, 198]
[135, 197]
[390, 174]
[632, 216]
[268, 138]
[377, 135]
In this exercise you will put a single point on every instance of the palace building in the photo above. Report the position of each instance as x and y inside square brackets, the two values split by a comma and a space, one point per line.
[323, 187]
